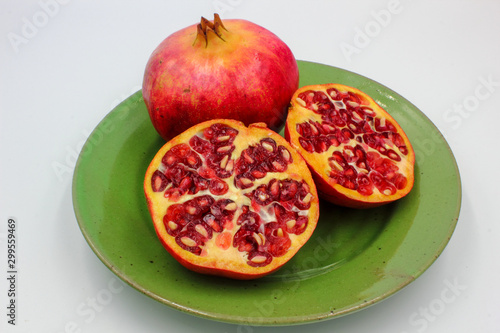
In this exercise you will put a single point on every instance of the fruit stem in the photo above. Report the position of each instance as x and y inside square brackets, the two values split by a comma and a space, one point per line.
[205, 26]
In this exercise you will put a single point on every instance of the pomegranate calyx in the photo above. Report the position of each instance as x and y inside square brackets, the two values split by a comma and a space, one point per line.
[205, 27]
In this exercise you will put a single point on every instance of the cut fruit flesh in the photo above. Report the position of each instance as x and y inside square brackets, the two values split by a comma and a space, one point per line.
[223, 198]
[358, 154]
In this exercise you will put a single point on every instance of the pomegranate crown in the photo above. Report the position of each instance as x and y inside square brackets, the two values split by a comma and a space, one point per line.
[206, 27]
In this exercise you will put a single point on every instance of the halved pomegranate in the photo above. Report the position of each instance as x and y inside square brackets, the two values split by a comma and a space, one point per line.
[358, 154]
[231, 200]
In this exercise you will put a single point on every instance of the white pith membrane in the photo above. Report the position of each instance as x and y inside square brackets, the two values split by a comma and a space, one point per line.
[388, 160]
[213, 248]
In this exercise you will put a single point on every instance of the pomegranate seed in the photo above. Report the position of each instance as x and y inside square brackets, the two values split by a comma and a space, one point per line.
[192, 210]
[188, 241]
[206, 172]
[280, 245]
[301, 101]
[307, 198]
[218, 187]
[338, 121]
[279, 165]
[198, 144]
[243, 182]
[193, 160]
[172, 225]
[247, 157]
[262, 197]
[350, 172]
[332, 92]
[354, 105]
[306, 144]
[224, 149]
[288, 190]
[229, 167]
[327, 128]
[223, 240]
[259, 238]
[223, 162]
[169, 159]
[274, 188]
[393, 155]
[185, 183]
[158, 181]
[258, 173]
[201, 230]
[368, 111]
[314, 130]
[269, 145]
[403, 150]
[223, 138]
[285, 154]
[205, 201]
[173, 194]
[231, 206]
[290, 224]
[400, 181]
[259, 259]
[210, 220]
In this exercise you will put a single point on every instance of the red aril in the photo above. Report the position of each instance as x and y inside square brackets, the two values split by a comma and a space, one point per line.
[358, 154]
[231, 200]
[233, 69]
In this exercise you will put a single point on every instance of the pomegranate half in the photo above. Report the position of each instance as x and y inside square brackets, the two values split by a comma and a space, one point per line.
[212, 70]
[231, 200]
[358, 154]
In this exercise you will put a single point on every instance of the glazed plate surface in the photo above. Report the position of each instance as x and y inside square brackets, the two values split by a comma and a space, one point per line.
[354, 259]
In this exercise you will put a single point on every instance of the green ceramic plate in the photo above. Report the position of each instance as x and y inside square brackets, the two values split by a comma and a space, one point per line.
[354, 259]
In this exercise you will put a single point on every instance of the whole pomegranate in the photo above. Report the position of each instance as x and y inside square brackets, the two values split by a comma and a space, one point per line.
[231, 200]
[214, 70]
[358, 154]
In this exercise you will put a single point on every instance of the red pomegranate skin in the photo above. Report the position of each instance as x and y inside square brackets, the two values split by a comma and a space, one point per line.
[247, 74]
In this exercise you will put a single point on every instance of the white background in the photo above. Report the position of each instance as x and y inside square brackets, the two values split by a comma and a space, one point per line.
[65, 65]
